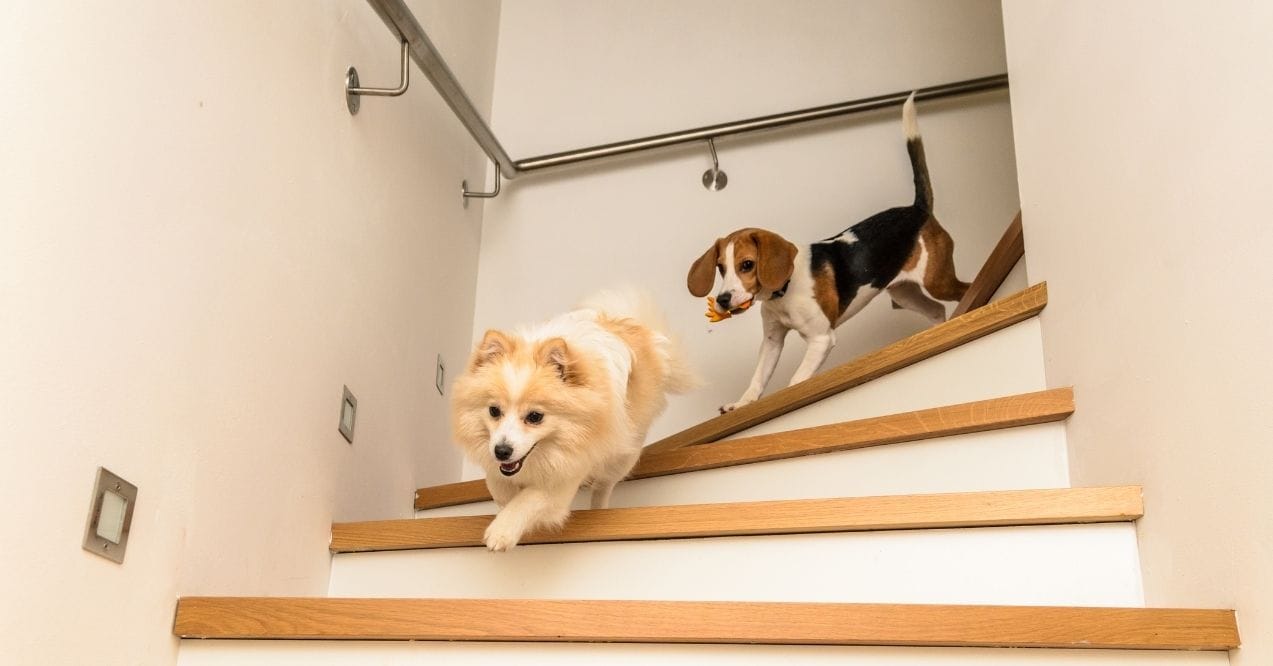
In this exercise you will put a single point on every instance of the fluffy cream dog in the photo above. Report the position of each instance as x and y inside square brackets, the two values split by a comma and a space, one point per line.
[547, 409]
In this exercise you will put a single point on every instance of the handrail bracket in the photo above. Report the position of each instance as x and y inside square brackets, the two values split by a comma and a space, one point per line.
[354, 93]
[473, 194]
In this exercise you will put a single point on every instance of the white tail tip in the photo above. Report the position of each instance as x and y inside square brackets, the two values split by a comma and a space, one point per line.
[910, 124]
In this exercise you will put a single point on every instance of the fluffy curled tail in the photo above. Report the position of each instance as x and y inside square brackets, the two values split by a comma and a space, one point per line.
[915, 147]
[639, 306]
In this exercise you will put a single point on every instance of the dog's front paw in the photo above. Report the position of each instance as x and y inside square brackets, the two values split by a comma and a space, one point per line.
[725, 409]
[500, 536]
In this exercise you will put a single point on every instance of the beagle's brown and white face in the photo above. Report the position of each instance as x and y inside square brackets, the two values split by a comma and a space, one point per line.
[752, 263]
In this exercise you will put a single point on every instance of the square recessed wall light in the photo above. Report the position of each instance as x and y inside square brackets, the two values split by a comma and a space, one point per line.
[348, 411]
[110, 517]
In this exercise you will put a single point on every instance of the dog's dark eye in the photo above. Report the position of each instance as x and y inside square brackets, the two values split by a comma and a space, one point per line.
[720, 269]
[747, 265]
[494, 411]
[534, 417]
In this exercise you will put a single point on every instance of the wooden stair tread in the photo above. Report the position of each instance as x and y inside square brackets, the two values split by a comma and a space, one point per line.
[900, 354]
[704, 622]
[849, 514]
[996, 413]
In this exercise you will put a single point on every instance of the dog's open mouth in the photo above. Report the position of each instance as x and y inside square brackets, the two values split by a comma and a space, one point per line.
[511, 468]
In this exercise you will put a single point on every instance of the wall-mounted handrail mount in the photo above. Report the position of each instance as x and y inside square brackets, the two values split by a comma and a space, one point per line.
[473, 194]
[403, 23]
[714, 179]
[354, 93]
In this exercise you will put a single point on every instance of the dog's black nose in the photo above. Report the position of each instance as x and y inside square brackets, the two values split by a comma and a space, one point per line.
[503, 451]
[722, 299]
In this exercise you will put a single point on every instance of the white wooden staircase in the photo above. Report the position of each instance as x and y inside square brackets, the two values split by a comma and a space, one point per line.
[909, 507]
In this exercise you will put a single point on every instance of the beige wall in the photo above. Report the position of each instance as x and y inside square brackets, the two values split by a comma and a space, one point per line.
[1146, 160]
[572, 73]
[198, 247]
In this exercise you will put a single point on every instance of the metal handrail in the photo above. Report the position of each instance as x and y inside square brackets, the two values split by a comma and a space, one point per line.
[400, 19]
[569, 157]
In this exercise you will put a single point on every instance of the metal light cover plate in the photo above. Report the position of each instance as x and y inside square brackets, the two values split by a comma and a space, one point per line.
[110, 517]
[348, 414]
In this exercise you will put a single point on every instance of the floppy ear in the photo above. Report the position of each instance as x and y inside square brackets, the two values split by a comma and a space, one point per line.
[555, 354]
[493, 345]
[703, 272]
[776, 259]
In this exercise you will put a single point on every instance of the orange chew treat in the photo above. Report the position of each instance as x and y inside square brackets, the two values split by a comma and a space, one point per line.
[714, 315]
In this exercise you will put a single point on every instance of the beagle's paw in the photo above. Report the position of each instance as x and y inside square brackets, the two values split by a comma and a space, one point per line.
[725, 409]
[500, 536]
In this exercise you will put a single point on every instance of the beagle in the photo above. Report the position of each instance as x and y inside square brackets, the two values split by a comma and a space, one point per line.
[814, 289]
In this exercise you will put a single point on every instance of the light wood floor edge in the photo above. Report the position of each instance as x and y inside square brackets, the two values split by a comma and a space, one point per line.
[998, 508]
[705, 622]
[451, 494]
[1009, 411]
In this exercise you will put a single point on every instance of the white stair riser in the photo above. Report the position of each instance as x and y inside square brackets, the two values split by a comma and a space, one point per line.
[333, 653]
[1003, 363]
[1009, 459]
[1065, 565]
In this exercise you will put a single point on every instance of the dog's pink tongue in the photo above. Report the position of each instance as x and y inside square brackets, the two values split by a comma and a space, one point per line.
[509, 467]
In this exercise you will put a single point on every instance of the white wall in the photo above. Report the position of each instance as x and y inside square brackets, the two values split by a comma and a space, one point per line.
[1146, 160]
[198, 247]
[572, 73]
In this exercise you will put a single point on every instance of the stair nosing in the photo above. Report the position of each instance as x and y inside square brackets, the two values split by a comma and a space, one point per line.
[775, 623]
[997, 508]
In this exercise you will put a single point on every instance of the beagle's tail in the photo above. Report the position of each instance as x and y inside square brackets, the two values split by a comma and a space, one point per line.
[915, 147]
[639, 306]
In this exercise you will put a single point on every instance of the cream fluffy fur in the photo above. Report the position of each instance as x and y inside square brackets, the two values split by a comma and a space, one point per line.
[573, 399]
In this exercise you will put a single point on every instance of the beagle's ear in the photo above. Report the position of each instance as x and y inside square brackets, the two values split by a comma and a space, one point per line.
[494, 345]
[703, 271]
[776, 259]
[555, 354]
